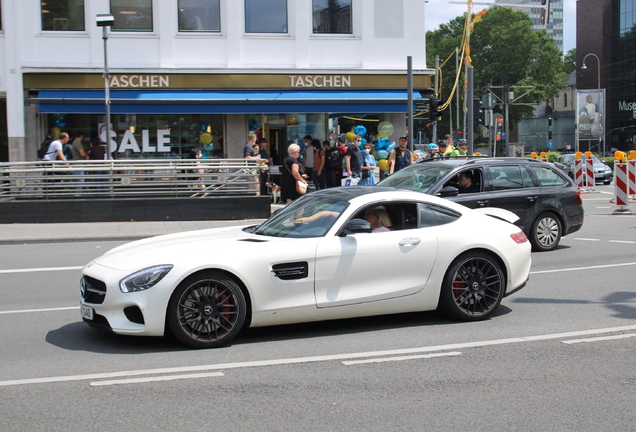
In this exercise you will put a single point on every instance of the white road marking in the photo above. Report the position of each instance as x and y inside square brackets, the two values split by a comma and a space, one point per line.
[622, 241]
[587, 239]
[41, 269]
[388, 359]
[583, 268]
[39, 310]
[599, 339]
[155, 379]
[316, 359]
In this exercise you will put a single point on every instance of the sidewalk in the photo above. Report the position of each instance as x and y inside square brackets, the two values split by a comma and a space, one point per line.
[101, 231]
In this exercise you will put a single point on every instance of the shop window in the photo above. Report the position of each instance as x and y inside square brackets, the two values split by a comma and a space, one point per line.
[332, 17]
[199, 16]
[266, 17]
[65, 15]
[132, 15]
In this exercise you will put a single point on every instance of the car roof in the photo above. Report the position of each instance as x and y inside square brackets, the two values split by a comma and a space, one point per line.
[481, 160]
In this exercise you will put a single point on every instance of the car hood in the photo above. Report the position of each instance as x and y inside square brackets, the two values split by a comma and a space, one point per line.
[173, 248]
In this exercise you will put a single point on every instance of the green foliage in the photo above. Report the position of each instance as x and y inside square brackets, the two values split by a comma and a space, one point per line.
[505, 50]
[569, 61]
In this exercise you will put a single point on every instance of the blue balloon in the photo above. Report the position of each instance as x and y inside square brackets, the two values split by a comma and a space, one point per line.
[381, 154]
[360, 130]
[390, 146]
[382, 143]
[364, 141]
[292, 133]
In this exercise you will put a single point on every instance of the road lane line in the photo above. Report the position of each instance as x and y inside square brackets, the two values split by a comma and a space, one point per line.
[316, 359]
[621, 241]
[583, 268]
[599, 339]
[39, 310]
[41, 269]
[388, 359]
[586, 239]
[156, 379]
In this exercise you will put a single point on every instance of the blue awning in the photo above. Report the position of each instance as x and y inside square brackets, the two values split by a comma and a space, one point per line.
[224, 101]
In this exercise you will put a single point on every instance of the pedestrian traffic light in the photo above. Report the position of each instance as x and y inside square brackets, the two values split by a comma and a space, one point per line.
[550, 135]
[433, 113]
[478, 113]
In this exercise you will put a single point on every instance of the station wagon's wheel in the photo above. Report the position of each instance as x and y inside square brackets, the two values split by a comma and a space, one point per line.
[545, 233]
[473, 287]
[206, 310]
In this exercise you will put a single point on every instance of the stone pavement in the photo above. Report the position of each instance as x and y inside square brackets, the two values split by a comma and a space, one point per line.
[101, 231]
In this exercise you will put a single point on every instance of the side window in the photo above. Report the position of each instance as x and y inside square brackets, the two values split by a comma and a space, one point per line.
[332, 17]
[548, 177]
[266, 16]
[63, 15]
[433, 215]
[394, 216]
[132, 15]
[467, 181]
[506, 177]
[199, 16]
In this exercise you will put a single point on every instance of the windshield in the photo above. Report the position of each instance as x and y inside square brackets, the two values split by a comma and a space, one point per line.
[418, 177]
[306, 217]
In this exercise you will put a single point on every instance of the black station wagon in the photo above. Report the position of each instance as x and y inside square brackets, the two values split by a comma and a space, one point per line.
[547, 201]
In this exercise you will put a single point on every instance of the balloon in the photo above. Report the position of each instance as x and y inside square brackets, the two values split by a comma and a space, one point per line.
[380, 136]
[382, 154]
[364, 141]
[382, 143]
[385, 128]
[383, 164]
[360, 130]
[55, 131]
[391, 146]
[292, 133]
[350, 136]
[205, 138]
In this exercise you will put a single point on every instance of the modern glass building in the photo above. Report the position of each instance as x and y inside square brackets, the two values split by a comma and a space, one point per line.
[554, 27]
[622, 83]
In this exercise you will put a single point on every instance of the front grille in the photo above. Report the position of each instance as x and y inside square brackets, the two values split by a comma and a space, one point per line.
[92, 290]
[134, 314]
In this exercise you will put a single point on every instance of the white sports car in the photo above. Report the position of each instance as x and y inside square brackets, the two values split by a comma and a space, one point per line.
[322, 257]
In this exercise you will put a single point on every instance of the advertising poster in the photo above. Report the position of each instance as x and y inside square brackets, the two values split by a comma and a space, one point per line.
[590, 108]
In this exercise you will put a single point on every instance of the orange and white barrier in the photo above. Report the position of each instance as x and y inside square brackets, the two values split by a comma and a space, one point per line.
[631, 177]
[621, 183]
[578, 173]
[589, 173]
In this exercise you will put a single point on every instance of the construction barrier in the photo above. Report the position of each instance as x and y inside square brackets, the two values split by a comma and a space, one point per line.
[631, 174]
[578, 173]
[589, 173]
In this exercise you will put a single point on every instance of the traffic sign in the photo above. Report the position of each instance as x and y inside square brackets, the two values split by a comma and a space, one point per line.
[550, 144]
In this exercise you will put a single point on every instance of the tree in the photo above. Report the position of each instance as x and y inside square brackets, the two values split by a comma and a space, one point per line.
[505, 50]
[569, 61]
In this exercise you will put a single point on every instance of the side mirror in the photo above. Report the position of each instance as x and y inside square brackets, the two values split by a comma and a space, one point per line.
[448, 191]
[356, 226]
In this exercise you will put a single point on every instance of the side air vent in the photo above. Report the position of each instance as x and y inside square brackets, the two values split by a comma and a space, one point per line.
[253, 240]
[291, 271]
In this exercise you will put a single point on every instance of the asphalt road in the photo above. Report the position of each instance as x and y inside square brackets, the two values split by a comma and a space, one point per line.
[559, 356]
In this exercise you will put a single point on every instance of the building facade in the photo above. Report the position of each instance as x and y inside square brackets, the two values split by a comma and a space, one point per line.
[606, 41]
[204, 73]
[554, 26]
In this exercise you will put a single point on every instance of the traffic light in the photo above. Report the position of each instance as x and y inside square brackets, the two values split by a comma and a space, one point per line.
[433, 113]
[545, 12]
[550, 135]
[549, 128]
[478, 113]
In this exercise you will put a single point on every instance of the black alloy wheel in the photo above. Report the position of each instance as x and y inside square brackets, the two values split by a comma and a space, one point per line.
[207, 310]
[473, 287]
[545, 233]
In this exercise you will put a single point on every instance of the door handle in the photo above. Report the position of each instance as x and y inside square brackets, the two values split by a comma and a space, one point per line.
[482, 203]
[410, 241]
[533, 198]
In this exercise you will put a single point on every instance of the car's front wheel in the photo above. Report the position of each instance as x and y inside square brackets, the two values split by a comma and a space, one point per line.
[473, 287]
[207, 310]
[545, 233]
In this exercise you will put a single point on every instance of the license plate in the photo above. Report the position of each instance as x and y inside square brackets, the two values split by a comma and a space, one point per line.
[87, 312]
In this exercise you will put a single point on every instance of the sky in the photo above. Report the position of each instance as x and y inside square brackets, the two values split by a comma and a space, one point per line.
[442, 11]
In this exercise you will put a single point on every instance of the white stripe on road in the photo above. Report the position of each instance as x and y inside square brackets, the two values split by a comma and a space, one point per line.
[388, 359]
[622, 241]
[586, 239]
[315, 359]
[155, 379]
[39, 310]
[599, 339]
[584, 268]
[41, 269]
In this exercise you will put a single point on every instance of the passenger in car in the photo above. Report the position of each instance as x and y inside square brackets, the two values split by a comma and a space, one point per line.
[379, 219]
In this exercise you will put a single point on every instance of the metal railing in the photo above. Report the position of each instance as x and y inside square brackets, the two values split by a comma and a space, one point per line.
[138, 178]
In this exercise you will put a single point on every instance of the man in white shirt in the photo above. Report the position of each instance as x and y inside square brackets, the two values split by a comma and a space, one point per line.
[308, 161]
[55, 148]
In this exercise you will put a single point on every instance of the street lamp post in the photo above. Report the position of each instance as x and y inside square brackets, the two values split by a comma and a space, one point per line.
[598, 92]
[104, 21]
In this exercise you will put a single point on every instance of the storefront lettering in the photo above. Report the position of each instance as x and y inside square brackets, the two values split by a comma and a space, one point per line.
[320, 80]
[136, 81]
[129, 142]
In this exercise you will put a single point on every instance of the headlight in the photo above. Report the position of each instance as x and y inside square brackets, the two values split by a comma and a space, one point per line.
[144, 279]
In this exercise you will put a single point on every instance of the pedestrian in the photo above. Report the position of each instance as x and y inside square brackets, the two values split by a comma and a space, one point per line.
[248, 150]
[195, 153]
[433, 152]
[338, 170]
[449, 145]
[331, 159]
[308, 154]
[318, 175]
[56, 148]
[97, 152]
[353, 158]
[78, 152]
[400, 157]
[368, 167]
[291, 173]
[266, 162]
[462, 148]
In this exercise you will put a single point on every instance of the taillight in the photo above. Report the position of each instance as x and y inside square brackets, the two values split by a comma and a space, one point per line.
[578, 195]
[519, 237]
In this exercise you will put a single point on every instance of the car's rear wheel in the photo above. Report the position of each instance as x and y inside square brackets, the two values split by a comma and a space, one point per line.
[545, 233]
[473, 287]
[206, 310]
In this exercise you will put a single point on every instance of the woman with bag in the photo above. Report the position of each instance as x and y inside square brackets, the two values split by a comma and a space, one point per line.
[368, 167]
[292, 177]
